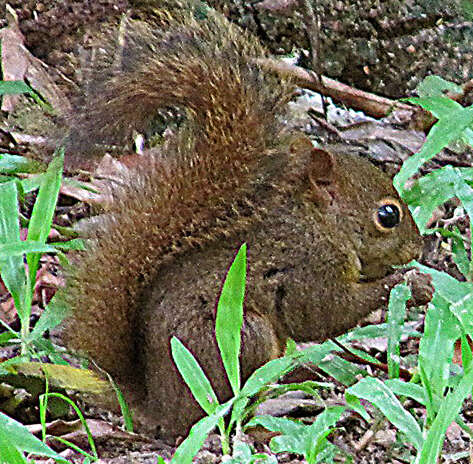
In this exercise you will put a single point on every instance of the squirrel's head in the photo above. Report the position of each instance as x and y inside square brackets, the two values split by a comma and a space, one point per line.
[358, 199]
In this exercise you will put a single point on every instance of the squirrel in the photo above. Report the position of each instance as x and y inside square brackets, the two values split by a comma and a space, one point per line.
[324, 230]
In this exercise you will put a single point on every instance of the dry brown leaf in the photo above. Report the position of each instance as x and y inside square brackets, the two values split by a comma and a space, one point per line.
[19, 64]
[100, 430]
[14, 61]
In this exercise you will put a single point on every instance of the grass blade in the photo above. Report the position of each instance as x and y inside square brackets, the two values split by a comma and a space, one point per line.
[264, 375]
[12, 268]
[19, 436]
[13, 164]
[13, 249]
[396, 316]
[43, 210]
[194, 376]
[442, 133]
[230, 318]
[194, 441]
[436, 346]
[447, 413]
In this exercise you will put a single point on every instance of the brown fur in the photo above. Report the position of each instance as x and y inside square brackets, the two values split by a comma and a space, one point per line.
[155, 264]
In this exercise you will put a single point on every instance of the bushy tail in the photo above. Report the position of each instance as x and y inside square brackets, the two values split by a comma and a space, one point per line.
[209, 68]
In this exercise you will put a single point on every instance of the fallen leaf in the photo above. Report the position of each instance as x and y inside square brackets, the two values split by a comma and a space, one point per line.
[19, 64]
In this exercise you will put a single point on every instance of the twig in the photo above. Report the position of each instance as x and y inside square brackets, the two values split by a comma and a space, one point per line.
[324, 123]
[369, 434]
[369, 103]
[403, 373]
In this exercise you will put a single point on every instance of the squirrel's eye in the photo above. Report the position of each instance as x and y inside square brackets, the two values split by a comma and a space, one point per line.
[388, 215]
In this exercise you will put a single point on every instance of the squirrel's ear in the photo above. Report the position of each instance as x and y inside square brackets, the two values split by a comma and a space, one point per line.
[322, 166]
[322, 177]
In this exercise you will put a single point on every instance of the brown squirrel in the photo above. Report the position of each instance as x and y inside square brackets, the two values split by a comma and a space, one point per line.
[323, 230]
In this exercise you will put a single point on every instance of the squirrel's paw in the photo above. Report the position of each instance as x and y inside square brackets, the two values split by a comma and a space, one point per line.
[421, 287]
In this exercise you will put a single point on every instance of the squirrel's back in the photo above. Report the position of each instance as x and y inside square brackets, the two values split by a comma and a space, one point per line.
[209, 174]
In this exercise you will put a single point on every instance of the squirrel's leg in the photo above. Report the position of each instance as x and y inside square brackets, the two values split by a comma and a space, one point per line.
[170, 407]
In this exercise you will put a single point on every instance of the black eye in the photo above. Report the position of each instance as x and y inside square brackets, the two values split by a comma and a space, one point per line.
[389, 216]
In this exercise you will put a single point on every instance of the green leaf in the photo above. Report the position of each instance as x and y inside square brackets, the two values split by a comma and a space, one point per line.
[436, 346]
[354, 403]
[291, 347]
[10, 249]
[43, 402]
[449, 409]
[5, 337]
[230, 318]
[76, 244]
[396, 316]
[383, 398]
[43, 211]
[14, 88]
[436, 86]
[421, 395]
[124, 409]
[375, 331]
[80, 185]
[342, 370]
[13, 164]
[278, 424]
[455, 295]
[17, 435]
[463, 190]
[306, 440]
[467, 356]
[10, 454]
[316, 353]
[266, 374]
[442, 133]
[460, 255]
[12, 269]
[409, 389]
[435, 188]
[316, 434]
[32, 183]
[194, 376]
[194, 441]
[243, 453]
[51, 317]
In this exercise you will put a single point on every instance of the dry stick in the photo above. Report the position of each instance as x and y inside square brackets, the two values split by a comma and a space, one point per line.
[324, 123]
[369, 434]
[369, 103]
[403, 373]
